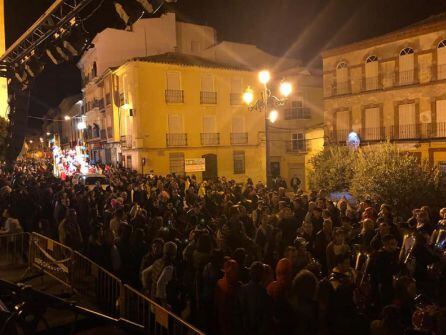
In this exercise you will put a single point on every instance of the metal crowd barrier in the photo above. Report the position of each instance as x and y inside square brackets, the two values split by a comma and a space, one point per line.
[155, 319]
[52, 257]
[14, 249]
[100, 286]
[103, 289]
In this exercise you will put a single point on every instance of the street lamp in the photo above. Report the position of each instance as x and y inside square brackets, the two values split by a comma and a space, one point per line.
[67, 118]
[267, 104]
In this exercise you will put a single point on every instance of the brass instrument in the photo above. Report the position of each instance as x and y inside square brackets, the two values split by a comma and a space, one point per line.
[406, 257]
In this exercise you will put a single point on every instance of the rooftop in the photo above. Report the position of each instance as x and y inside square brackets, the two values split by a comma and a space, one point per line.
[427, 25]
[188, 60]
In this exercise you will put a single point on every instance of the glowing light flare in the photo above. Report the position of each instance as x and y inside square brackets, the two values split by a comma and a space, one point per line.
[81, 125]
[264, 77]
[67, 118]
[273, 116]
[248, 96]
[286, 88]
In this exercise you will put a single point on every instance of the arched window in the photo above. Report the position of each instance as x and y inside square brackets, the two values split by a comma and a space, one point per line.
[406, 66]
[441, 60]
[342, 83]
[371, 73]
[371, 59]
[406, 51]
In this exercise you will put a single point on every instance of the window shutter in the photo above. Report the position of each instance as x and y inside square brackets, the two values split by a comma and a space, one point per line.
[207, 83]
[238, 124]
[209, 124]
[175, 124]
[236, 85]
[173, 81]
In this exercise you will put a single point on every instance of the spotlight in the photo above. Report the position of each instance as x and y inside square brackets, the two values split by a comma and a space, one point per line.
[131, 10]
[76, 43]
[21, 75]
[53, 55]
[62, 53]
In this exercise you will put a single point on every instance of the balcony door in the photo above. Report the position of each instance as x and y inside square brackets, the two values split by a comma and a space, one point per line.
[441, 60]
[406, 66]
[441, 118]
[372, 131]
[342, 125]
[371, 73]
[407, 121]
[211, 164]
[342, 85]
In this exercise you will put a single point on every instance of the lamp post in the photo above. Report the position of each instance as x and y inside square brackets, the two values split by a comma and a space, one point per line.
[267, 103]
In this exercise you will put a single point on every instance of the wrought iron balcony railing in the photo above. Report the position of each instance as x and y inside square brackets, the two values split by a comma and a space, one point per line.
[210, 138]
[176, 140]
[208, 98]
[174, 96]
[239, 138]
[296, 146]
[297, 113]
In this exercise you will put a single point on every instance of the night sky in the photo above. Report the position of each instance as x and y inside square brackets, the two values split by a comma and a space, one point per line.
[297, 28]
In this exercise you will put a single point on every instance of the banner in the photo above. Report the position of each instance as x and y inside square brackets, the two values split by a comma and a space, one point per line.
[195, 165]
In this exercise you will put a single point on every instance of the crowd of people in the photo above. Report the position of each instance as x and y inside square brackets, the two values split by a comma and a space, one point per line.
[242, 259]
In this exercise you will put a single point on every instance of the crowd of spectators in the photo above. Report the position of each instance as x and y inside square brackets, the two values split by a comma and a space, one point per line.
[242, 259]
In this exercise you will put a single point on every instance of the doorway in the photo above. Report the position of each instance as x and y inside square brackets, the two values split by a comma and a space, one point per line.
[211, 172]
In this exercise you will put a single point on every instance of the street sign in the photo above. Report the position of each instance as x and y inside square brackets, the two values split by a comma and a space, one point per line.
[195, 165]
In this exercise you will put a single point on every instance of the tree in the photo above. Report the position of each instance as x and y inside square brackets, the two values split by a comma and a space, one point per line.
[3, 136]
[387, 175]
[332, 169]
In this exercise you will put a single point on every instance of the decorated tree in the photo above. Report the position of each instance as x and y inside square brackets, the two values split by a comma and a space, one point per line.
[332, 169]
[385, 174]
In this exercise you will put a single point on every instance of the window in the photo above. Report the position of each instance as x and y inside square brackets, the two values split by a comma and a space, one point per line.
[298, 141]
[442, 168]
[372, 123]
[236, 91]
[440, 107]
[407, 121]
[371, 73]
[297, 111]
[342, 125]
[176, 163]
[173, 81]
[406, 66]
[342, 84]
[175, 124]
[441, 60]
[209, 124]
[208, 94]
[239, 162]
[238, 124]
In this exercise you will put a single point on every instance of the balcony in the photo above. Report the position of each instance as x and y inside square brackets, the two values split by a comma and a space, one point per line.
[176, 140]
[103, 134]
[411, 131]
[372, 134]
[239, 138]
[109, 132]
[406, 77]
[298, 113]
[339, 135]
[208, 98]
[370, 84]
[174, 96]
[439, 130]
[296, 146]
[235, 99]
[341, 88]
[210, 138]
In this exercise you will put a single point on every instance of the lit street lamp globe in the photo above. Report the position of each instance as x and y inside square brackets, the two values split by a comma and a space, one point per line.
[264, 77]
[273, 116]
[286, 88]
[81, 125]
[248, 96]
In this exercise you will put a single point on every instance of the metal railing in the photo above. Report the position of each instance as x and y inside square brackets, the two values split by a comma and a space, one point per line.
[239, 138]
[14, 249]
[51, 257]
[340, 88]
[176, 140]
[339, 135]
[372, 134]
[210, 138]
[297, 113]
[174, 96]
[107, 291]
[155, 319]
[208, 98]
[97, 284]
[370, 84]
[406, 77]
[235, 99]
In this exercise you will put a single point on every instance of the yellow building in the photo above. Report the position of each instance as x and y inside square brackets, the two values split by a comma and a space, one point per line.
[391, 87]
[175, 107]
